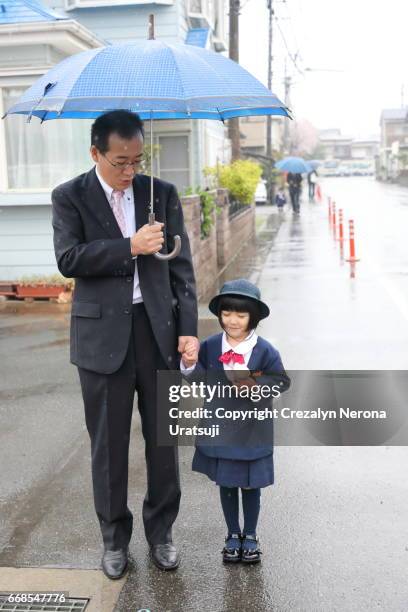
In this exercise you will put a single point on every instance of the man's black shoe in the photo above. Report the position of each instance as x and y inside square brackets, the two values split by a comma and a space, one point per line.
[114, 563]
[165, 556]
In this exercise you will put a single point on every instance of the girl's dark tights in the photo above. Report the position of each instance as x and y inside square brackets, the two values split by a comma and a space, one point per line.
[251, 502]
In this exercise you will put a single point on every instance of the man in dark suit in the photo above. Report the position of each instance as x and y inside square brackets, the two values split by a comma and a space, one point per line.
[132, 315]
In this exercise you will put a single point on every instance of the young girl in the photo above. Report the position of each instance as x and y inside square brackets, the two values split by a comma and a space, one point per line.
[280, 199]
[239, 309]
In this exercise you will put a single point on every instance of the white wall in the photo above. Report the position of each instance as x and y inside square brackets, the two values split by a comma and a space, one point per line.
[26, 246]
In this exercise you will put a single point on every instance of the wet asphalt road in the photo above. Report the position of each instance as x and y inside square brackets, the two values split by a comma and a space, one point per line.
[334, 528]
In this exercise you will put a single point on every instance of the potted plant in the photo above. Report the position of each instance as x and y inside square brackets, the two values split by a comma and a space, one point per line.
[43, 286]
[7, 288]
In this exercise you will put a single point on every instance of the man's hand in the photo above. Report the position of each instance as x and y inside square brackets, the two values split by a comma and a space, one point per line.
[188, 346]
[148, 240]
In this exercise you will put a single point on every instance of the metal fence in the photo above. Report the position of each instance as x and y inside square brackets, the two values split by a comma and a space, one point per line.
[235, 207]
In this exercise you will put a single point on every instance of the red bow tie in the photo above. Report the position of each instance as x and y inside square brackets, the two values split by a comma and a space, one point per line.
[231, 356]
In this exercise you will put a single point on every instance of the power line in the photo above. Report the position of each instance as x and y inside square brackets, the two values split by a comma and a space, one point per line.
[289, 17]
[291, 57]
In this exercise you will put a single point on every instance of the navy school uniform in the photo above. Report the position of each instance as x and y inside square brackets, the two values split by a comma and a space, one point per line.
[239, 466]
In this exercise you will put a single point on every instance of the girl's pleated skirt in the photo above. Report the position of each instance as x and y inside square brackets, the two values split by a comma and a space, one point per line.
[235, 473]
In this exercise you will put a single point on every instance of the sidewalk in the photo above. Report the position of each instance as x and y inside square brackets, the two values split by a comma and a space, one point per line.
[320, 317]
[332, 526]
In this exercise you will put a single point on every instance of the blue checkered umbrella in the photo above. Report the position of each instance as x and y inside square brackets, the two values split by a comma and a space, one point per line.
[296, 165]
[155, 80]
[152, 78]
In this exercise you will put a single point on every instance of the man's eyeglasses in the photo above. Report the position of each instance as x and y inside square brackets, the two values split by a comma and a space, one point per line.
[122, 165]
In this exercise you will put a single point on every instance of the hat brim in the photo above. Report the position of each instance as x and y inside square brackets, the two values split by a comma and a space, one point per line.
[263, 308]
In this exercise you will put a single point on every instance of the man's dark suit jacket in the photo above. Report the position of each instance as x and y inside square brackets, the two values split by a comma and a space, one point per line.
[89, 247]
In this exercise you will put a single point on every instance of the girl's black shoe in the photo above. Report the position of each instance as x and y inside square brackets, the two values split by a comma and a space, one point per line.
[231, 553]
[250, 553]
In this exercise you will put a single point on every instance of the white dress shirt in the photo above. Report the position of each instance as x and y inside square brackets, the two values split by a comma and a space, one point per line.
[244, 348]
[128, 202]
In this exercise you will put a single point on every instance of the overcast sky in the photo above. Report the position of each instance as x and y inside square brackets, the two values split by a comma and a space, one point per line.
[366, 40]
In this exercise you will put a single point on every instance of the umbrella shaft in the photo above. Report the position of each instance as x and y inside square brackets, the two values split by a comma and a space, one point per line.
[151, 170]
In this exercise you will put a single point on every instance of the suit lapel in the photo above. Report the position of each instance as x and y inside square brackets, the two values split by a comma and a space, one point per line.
[94, 198]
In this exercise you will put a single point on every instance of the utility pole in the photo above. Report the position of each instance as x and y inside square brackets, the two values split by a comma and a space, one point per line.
[286, 140]
[269, 183]
[233, 124]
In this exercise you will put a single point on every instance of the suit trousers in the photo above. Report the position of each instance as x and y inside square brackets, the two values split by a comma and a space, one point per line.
[108, 401]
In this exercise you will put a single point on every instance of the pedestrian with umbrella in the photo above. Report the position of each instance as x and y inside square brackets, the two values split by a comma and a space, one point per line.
[295, 167]
[294, 180]
[134, 308]
[132, 315]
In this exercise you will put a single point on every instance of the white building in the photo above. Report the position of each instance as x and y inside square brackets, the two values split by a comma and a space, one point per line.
[35, 157]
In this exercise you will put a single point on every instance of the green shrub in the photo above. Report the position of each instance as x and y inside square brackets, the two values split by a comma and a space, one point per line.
[207, 206]
[240, 178]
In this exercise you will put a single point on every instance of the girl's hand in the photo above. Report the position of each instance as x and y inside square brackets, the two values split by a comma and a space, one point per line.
[190, 355]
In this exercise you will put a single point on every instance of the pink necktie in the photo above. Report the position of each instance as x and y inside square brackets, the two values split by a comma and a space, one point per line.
[117, 207]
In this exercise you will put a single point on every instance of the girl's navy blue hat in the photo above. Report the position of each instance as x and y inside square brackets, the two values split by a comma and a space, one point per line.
[240, 288]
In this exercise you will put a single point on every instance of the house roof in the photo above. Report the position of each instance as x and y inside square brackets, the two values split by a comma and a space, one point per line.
[334, 138]
[26, 11]
[372, 140]
[394, 114]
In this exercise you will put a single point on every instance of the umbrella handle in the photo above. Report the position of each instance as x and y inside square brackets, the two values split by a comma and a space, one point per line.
[177, 244]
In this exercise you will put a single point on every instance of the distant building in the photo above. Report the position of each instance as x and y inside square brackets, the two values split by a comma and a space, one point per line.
[365, 148]
[253, 134]
[335, 145]
[346, 156]
[393, 156]
[34, 157]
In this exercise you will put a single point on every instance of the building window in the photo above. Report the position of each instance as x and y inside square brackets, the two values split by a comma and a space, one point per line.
[202, 13]
[174, 158]
[40, 156]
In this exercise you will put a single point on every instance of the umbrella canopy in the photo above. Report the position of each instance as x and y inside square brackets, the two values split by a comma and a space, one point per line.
[155, 80]
[296, 165]
[152, 78]
[315, 163]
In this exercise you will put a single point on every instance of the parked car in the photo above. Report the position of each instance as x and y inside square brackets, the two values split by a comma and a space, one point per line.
[261, 195]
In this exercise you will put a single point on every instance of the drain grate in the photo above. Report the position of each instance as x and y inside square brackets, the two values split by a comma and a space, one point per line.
[68, 604]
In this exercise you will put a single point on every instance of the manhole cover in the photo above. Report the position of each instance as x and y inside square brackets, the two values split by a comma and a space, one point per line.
[47, 602]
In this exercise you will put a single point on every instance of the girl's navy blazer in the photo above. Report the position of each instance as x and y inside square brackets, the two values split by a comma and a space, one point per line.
[264, 358]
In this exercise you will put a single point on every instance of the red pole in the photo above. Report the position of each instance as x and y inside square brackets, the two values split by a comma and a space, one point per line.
[341, 233]
[352, 257]
[330, 211]
[334, 220]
